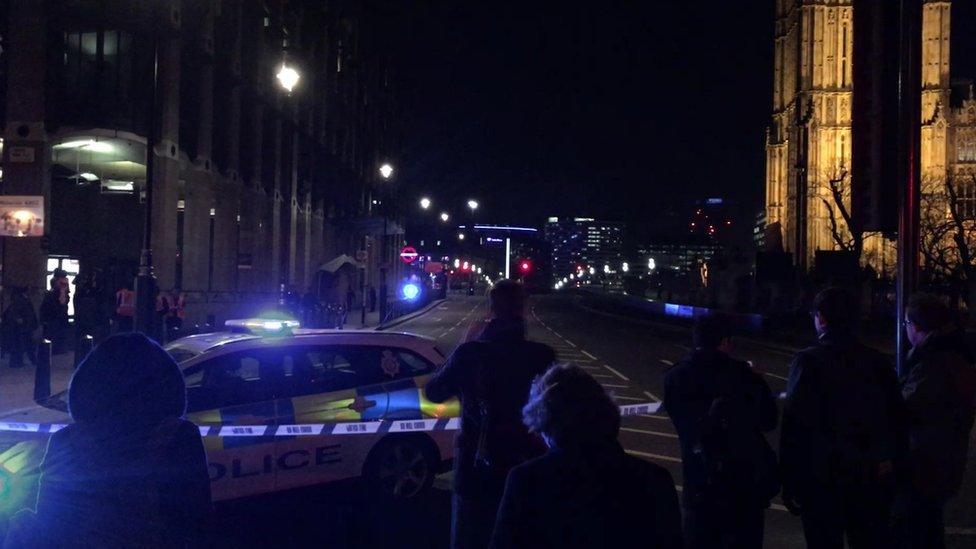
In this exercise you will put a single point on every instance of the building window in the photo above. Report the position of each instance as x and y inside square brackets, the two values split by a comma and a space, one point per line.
[99, 60]
[966, 149]
[966, 198]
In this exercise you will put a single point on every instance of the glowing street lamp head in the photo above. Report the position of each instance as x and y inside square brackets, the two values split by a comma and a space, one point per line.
[473, 204]
[445, 217]
[651, 264]
[386, 171]
[625, 267]
[425, 203]
[288, 77]
[592, 271]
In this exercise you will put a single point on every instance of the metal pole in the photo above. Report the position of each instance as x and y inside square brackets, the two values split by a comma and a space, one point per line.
[508, 257]
[145, 284]
[383, 254]
[909, 109]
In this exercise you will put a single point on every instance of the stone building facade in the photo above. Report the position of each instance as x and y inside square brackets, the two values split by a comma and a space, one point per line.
[808, 144]
[254, 187]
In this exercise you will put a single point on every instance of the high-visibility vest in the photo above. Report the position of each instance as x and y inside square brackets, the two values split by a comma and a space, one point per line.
[125, 302]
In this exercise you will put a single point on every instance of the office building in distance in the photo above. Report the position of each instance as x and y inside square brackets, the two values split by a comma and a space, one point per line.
[579, 243]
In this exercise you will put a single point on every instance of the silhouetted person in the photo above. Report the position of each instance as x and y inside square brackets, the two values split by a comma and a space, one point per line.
[86, 305]
[19, 323]
[491, 376]
[125, 309]
[721, 408]
[129, 471]
[841, 432]
[54, 315]
[585, 492]
[938, 383]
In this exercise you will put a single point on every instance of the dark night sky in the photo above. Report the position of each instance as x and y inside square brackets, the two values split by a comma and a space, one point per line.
[613, 109]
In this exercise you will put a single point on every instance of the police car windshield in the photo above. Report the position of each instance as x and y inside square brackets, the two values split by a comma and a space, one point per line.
[180, 354]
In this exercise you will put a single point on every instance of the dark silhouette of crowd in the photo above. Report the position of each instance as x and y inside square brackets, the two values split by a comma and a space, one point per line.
[868, 456]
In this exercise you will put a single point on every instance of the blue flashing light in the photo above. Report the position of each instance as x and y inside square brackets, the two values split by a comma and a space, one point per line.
[262, 325]
[410, 291]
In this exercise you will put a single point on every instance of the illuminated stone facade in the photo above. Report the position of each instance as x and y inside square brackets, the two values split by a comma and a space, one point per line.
[809, 141]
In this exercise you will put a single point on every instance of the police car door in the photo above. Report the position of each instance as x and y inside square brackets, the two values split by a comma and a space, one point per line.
[330, 384]
[236, 389]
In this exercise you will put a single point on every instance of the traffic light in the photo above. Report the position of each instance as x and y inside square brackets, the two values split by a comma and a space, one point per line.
[525, 266]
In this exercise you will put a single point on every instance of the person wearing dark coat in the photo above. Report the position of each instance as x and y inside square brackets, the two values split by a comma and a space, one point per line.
[129, 471]
[585, 492]
[842, 432]
[720, 408]
[938, 383]
[491, 376]
[54, 315]
[19, 323]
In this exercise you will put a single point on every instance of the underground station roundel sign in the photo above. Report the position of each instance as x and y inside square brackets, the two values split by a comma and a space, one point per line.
[408, 254]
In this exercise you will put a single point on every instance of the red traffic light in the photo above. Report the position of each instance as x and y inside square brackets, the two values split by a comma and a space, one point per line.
[525, 266]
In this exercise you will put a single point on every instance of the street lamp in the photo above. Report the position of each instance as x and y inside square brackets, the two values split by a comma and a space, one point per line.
[460, 236]
[386, 171]
[288, 77]
[425, 203]
[473, 204]
[445, 217]
[625, 267]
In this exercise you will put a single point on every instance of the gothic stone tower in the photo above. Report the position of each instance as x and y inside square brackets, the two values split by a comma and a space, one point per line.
[808, 144]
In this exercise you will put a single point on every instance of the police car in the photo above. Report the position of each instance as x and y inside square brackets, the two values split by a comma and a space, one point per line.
[274, 373]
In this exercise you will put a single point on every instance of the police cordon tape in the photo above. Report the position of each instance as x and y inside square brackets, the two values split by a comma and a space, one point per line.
[317, 429]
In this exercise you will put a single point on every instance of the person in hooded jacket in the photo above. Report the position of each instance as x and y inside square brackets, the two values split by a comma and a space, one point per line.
[491, 376]
[585, 491]
[129, 472]
[938, 383]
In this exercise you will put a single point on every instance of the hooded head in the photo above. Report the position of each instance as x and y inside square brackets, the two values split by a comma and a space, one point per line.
[127, 379]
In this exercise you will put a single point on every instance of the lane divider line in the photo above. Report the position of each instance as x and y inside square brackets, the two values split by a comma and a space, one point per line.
[615, 386]
[666, 361]
[646, 432]
[652, 456]
[588, 354]
[777, 376]
[635, 399]
[652, 395]
[615, 372]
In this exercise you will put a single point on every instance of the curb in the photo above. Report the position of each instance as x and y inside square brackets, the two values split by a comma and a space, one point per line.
[400, 320]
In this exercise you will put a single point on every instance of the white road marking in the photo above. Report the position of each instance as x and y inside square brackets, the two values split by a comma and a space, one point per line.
[588, 354]
[635, 399]
[618, 374]
[776, 376]
[615, 386]
[652, 456]
[652, 395]
[666, 361]
[601, 375]
[646, 432]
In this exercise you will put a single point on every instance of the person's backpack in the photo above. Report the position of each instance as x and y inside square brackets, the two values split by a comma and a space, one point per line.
[503, 443]
[736, 457]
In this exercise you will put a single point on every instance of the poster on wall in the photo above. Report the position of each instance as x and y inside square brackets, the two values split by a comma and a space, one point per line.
[21, 216]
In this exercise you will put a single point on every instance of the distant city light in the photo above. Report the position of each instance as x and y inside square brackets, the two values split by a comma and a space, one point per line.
[386, 171]
[473, 204]
[445, 217]
[606, 269]
[460, 236]
[457, 263]
[651, 264]
[425, 203]
[572, 277]
[592, 271]
[625, 267]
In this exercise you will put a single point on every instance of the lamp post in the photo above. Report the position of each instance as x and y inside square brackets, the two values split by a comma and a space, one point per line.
[145, 283]
[386, 172]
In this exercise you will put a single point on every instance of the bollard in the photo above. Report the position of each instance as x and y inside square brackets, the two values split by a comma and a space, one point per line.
[82, 348]
[42, 371]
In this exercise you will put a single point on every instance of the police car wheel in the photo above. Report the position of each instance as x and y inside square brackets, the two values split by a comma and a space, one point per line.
[401, 467]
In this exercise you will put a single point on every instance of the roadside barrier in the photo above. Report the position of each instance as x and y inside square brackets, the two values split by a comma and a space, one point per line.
[318, 429]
